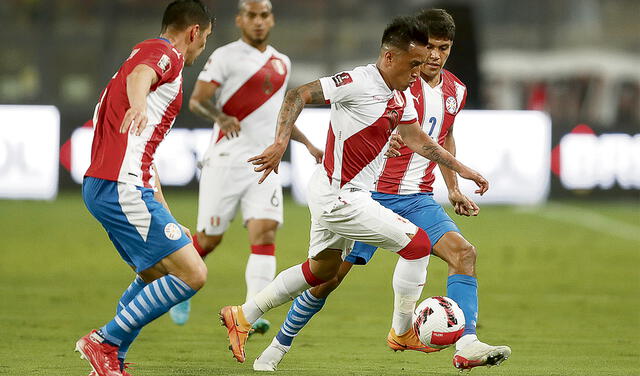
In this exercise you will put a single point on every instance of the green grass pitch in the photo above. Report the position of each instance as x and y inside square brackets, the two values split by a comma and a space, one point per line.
[559, 284]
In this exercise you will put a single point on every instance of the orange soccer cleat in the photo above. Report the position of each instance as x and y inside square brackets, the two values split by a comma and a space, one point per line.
[407, 341]
[237, 329]
[102, 357]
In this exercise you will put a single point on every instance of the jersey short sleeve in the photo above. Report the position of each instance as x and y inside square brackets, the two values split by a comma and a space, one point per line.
[158, 56]
[341, 87]
[214, 70]
[410, 115]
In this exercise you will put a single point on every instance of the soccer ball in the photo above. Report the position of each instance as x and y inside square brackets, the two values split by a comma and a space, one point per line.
[438, 322]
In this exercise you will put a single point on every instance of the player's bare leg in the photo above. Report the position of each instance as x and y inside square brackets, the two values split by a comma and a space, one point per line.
[261, 266]
[204, 244]
[303, 309]
[286, 286]
[461, 256]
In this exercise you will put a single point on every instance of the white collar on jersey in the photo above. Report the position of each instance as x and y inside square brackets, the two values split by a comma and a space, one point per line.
[251, 49]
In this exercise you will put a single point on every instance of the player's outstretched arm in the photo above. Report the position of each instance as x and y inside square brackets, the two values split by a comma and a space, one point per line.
[139, 83]
[202, 105]
[294, 102]
[419, 142]
[462, 205]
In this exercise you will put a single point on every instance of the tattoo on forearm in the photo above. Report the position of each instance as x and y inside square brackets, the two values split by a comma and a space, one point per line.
[291, 108]
[434, 153]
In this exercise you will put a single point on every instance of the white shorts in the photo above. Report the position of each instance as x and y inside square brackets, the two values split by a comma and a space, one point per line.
[341, 217]
[223, 186]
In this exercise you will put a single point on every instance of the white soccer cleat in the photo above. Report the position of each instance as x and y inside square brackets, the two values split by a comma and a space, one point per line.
[270, 357]
[477, 354]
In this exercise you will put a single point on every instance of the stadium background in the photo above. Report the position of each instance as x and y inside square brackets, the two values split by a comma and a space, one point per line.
[559, 281]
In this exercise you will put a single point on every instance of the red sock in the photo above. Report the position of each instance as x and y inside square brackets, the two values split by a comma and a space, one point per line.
[263, 249]
[198, 247]
[418, 247]
[308, 275]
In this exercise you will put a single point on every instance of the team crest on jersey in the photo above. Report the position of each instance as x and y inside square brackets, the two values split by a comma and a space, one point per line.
[278, 65]
[172, 231]
[451, 104]
[399, 99]
[341, 79]
[164, 63]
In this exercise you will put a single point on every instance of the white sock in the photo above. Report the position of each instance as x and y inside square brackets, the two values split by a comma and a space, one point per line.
[465, 340]
[260, 271]
[286, 286]
[408, 280]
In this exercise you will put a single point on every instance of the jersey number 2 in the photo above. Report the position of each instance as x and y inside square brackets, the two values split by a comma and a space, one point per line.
[433, 122]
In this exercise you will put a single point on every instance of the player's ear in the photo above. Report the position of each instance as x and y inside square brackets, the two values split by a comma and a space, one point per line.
[193, 33]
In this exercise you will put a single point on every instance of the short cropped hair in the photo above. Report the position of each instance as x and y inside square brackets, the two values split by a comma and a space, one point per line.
[242, 3]
[440, 23]
[404, 30]
[181, 14]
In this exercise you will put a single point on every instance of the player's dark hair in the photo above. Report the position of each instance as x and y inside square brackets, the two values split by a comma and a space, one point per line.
[440, 23]
[403, 31]
[181, 14]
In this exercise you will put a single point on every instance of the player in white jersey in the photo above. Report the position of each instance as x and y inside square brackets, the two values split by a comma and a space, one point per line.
[367, 104]
[405, 186]
[248, 79]
[121, 189]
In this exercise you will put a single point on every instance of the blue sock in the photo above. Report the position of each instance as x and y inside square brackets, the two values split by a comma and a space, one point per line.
[151, 302]
[464, 290]
[302, 310]
[136, 286]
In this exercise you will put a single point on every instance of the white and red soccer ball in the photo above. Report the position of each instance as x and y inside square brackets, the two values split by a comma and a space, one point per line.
[438, 322]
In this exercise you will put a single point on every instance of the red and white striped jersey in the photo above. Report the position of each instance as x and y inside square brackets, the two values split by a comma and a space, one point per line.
[364, 113]
[252, 88]
[126, 157]
[437, 108]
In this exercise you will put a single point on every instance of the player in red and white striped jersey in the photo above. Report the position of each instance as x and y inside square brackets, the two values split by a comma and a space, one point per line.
[367, 104]
[122, 191]
[248, 79]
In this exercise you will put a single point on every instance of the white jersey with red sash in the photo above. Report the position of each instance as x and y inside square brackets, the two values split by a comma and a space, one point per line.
[252, 85]
[437, 108]
[364, 113]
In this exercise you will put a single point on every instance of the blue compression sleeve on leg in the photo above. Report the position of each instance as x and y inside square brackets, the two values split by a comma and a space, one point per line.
[136, 286]
[464, 290]
[302, 310]
[151, 302]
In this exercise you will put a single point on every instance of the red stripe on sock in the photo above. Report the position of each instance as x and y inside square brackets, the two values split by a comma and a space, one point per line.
[197, 246]
[308, 275]
[418, 247]
[263, 249]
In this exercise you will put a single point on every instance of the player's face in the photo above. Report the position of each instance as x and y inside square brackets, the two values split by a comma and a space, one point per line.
[404, 66]
[255, 21]
[197, 45]
[439, 50]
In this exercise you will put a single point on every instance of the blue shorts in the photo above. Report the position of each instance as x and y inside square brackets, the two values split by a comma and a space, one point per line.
[142, 230]
[419, 208]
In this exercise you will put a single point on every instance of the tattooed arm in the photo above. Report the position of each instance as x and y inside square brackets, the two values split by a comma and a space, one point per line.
[294, 102]
[419, 142]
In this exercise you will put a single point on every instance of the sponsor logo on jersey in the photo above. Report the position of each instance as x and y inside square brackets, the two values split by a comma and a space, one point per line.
[172, 231]
[342, 79]
[164, 63]
[451, 104]
[278, 66]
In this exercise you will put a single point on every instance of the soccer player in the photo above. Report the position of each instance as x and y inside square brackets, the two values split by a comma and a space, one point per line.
[121, 188]
[405, 186]
[248, 77]
[367, 104]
